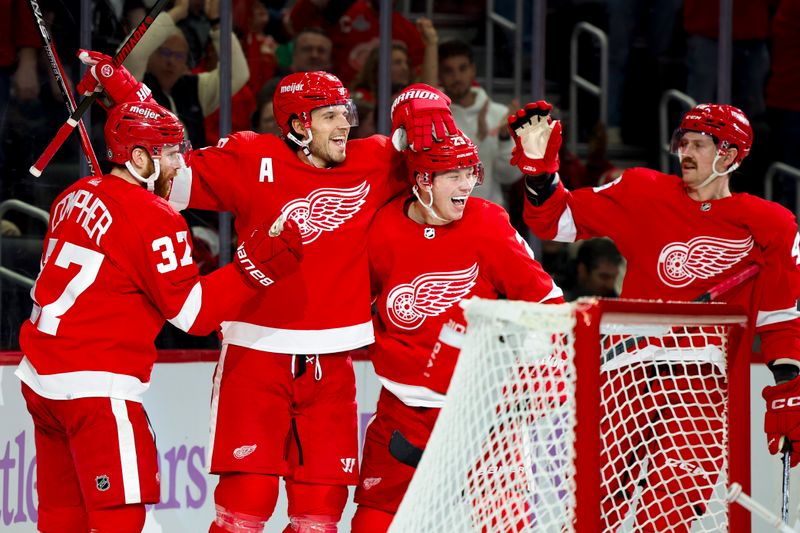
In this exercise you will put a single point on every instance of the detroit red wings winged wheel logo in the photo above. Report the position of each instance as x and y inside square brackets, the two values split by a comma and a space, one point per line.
[325, 209]
[701, 258]
[409, 304]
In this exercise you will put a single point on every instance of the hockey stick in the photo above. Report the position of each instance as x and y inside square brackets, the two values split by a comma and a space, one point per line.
[710, 295]
[735, 494]
[58, 73]
[785, 485]
[73, 119]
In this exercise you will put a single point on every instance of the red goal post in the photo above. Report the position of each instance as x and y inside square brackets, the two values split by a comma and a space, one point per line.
[602, 415]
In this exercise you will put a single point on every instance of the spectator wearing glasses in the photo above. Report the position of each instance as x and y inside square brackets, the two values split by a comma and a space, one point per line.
[161, 61]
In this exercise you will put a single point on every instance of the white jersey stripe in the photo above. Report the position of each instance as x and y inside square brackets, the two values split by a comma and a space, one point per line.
[766, 318]
[185, 318]
[555, 292]
[127, 452]
[297, 341]
[567, 231]
[413, 395]
[81, 384]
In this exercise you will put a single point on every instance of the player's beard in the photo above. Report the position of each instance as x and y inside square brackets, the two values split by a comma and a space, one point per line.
[163, 186]
[323, 149]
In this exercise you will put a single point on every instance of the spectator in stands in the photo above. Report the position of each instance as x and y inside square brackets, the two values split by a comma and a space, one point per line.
[481, 119]
[783, 98]
[196, 27]
[19, 44]
[750, 54]
[624, 16]
[311, 51]
[354, 32]
[263, 120]
[366, 81]
[251, 18]
[597, 268]
[163, 52]
[402, 74]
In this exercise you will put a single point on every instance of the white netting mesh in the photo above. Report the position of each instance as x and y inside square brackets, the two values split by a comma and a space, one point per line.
[501, 457]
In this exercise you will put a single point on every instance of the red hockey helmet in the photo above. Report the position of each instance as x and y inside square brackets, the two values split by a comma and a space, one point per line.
[728, 126]
[144, 124]
[454, 152]
[299, 93]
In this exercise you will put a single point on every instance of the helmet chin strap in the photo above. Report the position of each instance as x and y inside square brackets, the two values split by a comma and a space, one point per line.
[150, 181]
[429, 206]
[303, 144]
[714, 174]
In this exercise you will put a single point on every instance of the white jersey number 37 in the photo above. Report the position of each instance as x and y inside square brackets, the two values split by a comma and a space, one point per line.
[47, 318]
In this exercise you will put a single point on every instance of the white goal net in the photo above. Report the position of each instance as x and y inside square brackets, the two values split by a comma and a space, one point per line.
[602, 416]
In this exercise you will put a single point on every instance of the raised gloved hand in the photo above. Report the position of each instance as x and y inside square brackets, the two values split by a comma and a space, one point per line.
[537, 137]
[119, 85]
[270, 253]
[782, 420]
[423, 112]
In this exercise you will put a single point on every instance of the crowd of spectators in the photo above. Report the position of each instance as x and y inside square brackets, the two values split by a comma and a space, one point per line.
[178, 60]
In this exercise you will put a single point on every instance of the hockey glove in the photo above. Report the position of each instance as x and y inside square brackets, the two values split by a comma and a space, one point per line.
[782, 420]
[424, 113]
[119, 85]
[270, 253]
[537, 137]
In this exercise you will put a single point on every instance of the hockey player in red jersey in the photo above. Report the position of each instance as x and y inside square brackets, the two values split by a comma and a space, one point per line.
[426, 253]
[283, 400]
[117, 263]
[681, 236]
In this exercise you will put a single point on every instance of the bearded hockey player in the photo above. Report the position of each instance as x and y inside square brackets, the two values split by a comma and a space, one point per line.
[680, 236]
[117, 263]
[284, 390]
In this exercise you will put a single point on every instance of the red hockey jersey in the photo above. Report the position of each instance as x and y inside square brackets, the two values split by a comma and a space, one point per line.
[117, 262]
[325, 306]
[419, 274]
[678, 248]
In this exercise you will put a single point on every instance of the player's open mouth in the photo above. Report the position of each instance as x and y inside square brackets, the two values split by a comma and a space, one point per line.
[459, 200]
[340, 142]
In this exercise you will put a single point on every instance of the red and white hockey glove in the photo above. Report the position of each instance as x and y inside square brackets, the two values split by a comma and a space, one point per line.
[423, 113]
[782, 420]
[119, 85]
[444, 356]
[537, 137]
[270, 254]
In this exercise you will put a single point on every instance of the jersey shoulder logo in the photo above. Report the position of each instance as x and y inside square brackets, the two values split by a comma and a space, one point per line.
[325, 209]
[409, 304]
[703, 257]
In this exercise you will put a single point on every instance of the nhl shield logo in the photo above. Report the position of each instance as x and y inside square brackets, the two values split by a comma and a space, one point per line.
[102, 483]
[429, 233]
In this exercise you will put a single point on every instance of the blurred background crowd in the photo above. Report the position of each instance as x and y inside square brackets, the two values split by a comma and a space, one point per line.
[644, 62]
